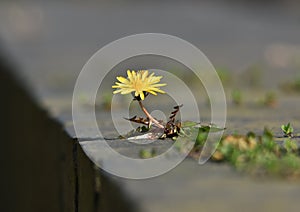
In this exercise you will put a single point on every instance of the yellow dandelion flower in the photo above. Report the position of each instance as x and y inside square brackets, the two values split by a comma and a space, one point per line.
[138, 82]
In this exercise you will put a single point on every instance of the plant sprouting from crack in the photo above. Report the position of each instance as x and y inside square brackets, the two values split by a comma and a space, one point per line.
[140, 84]
[288, 130]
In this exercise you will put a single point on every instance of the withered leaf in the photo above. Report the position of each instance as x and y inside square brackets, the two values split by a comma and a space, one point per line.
[139, 120]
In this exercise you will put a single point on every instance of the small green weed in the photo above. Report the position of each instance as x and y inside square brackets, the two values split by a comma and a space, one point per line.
[236, 96]
[146, 153]
[270, 100]
[292, 86]
[260, 155]
[224, 76]
[287, 130]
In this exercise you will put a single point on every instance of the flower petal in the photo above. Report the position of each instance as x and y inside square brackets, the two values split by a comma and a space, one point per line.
[139, 82]
[144, 75]
[152, 92]
[129, 75]
[123, 80]
[117, 91]
[126, 91]
[159, 85]
[142, 95]
[157, 90]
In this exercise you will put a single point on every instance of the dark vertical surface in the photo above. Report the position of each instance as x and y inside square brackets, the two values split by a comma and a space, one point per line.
[29, 157]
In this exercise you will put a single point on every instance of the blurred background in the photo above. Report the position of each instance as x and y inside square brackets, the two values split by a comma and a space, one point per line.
[252, 43]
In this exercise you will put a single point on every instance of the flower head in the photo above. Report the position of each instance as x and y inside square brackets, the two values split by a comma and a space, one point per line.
[138, 82]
